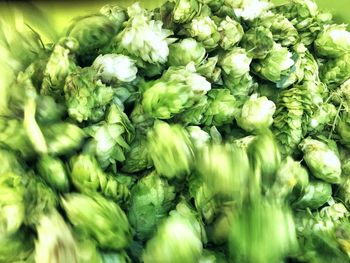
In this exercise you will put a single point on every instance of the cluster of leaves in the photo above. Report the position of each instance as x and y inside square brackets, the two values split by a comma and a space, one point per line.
[201, 131]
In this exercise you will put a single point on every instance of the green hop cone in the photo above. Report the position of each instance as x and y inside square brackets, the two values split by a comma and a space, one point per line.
[209, 69]
[184, 246]
[222, 108]
[142, 38]
[336, 71]
[10, 161]
[98, 218]
[115, 13]
[276, 66]
[115, 68]
[205, 31]
[204, 200]
[333, 41]
[300, 12]
[173, 140]
[59, 65]
[198, 137]
[281, 28]
[231, 33]
[48, 111]
[52, 170]
[195, 114]
[185, 51]
[322, 161]
[12, 206]
[247, 9]
[151, 200]
[324, 116]
[294, 109]
[39, 199]
[110, 138]
[86, 97]
[177, 90]
[93, 33]
[343, 130]
[137, 157]
[235, 66]
[235, 63]
[258, 42]
[185, 10]
[88, 177]
[63, 137]
[290, 177]
[55, 241]
[256, 114]
[315, 195]
[16, 247]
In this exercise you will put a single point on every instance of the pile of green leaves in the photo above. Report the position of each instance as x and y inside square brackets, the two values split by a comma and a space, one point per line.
[201, 131]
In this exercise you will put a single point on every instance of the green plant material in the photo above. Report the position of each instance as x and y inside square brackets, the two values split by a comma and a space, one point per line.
[186, 51]
[12, 206]
[142, 38]
[52, 170]
[151, 200]
[336, 71]
[225, 169]
[48, 111]
[175, 141]
[178, 89]
[185, 10]
[231, 33]
[185, 246]
[293, 108]
[114, 67]
[110, 138]
[63, 137]
[199, 131]
[248, 10]
[59, 65]
[291, 179]
[281, 28]
[111, 257]
[39, 199]
[55, 240]
[204, 30]
[209, 69]
[316, 194]
[258, 42]
[256, 227]
[16, 247]
[86, 97]
[137, 156]
[333, 41]
[93, 33]
[222, 108]
[256, 114]
[276, 66]
[235, 66]
[98, 218]
[322, 160]
[88, 177]
[115, 13]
